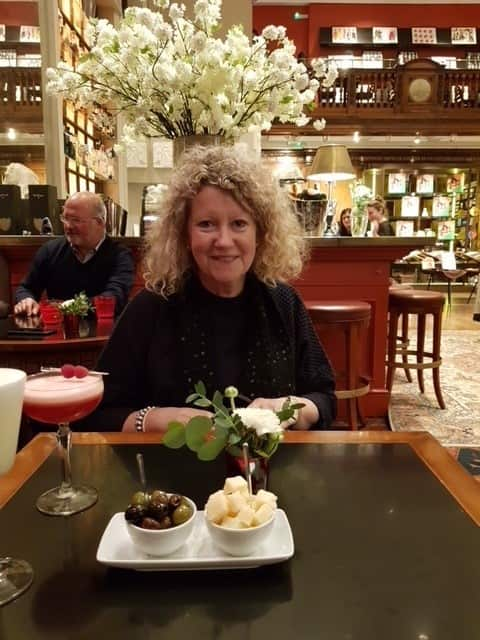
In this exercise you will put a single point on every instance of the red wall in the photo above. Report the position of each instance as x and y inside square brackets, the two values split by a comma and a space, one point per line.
[297, 30]
[18, 13]
[305, 32]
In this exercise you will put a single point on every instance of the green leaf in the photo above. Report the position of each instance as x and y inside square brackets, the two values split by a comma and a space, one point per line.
[200, 388]
[233, 438]
[285, 414]
[224, 422]
[196, 431]
[218, 401]
[174, 437]
[202, 402]
[191, 397]
[210, 450]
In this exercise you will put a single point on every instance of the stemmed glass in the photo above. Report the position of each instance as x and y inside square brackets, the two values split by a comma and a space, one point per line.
[15, 575]
[52, 398]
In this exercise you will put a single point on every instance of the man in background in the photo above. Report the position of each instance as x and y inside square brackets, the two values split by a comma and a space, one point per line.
[86, 259]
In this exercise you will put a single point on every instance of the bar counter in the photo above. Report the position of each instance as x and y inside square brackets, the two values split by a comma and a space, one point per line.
[338, 269]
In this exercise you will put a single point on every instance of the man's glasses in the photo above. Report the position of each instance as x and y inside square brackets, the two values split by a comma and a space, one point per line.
[74, 221]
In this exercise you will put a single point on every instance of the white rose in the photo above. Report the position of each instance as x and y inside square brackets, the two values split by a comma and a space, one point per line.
[262, 421]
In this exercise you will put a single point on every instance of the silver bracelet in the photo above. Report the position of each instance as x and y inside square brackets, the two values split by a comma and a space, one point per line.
[140, 419]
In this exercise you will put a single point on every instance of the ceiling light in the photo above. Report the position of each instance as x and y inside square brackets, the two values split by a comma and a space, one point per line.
[11, 134]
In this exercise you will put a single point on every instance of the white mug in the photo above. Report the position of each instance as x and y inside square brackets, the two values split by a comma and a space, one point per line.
[12, 385]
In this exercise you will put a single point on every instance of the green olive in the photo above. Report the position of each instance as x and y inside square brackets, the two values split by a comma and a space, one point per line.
[140, 498]
[182, 513]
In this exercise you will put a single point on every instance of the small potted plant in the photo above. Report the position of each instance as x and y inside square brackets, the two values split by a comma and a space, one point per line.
[72, 310]
[229, 429]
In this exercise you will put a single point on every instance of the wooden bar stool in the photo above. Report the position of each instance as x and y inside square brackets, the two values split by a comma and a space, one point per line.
[349, 317]
[420, 303]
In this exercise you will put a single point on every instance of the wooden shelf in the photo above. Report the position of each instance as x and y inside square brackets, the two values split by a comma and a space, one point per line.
[404, 40]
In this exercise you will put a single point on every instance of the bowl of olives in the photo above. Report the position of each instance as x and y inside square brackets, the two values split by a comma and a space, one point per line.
[160, 523]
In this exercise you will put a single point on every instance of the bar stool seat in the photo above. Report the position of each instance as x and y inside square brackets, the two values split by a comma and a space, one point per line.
[349, 317]
[420, 303]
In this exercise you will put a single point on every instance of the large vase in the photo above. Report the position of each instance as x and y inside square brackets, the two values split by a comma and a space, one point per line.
[359, 221]
[258, 470]
[183, 143]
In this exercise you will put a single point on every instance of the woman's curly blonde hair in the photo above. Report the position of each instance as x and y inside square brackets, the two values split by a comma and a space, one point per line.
[281, 248]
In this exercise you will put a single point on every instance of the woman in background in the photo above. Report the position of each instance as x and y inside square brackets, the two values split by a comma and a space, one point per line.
[379, 224]
[345, 222]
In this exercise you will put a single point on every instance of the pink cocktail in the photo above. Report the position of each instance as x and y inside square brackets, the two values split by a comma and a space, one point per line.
[55, 399]
[50, 397]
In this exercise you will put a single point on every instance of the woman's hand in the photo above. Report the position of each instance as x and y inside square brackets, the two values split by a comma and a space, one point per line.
[374, 228]
[303, 418]
[157, 419]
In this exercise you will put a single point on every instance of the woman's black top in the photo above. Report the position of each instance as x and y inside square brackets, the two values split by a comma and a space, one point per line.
[262, 342]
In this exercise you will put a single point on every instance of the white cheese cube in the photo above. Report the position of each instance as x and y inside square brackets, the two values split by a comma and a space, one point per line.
[236, 501]
[217, 507]
[265, 497]
[237, 483]
[231, 523]
[246, 516]
[262, 515]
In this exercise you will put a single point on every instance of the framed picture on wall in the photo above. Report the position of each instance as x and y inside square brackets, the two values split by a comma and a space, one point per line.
[384, 35]
[162, 154]
[455, 183]
[464, 35]
[137, 155]
[29, 34]
[440, 206]
[446, 230]
[344, 35]
[410, 207]
[397, 182]
[424, 183]
[404, 228]
[424, 35]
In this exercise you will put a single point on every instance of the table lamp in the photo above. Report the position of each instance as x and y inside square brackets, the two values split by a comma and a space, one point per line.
[331, 164]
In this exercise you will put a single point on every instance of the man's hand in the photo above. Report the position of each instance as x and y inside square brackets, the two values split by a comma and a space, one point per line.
[27, 307]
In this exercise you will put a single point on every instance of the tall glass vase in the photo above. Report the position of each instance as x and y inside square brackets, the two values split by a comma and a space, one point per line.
[183, 143]
[359, 221]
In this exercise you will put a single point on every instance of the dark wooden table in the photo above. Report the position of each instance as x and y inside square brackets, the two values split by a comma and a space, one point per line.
[54, 350]
[386, 545]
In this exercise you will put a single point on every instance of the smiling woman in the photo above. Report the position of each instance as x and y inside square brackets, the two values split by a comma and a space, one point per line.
[216, 307]
[221, 236]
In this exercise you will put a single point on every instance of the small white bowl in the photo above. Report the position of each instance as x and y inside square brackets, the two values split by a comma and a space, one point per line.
[240, 542]
[162, 542]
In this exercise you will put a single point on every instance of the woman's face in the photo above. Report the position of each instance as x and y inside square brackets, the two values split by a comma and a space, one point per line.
[347, 220]
[373, 214]
[222, 239]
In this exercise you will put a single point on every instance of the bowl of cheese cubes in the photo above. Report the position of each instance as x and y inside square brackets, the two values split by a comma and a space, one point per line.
[237, 521]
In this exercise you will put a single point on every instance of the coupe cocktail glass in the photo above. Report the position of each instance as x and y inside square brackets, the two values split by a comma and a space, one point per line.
[15, 575]
[54, 399]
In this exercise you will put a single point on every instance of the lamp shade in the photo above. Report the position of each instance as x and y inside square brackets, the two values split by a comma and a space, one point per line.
[331, 163]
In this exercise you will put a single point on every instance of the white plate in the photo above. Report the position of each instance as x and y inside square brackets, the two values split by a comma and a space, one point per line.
[199, 552]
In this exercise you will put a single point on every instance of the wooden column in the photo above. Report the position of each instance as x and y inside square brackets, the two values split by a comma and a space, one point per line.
[52, 105]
